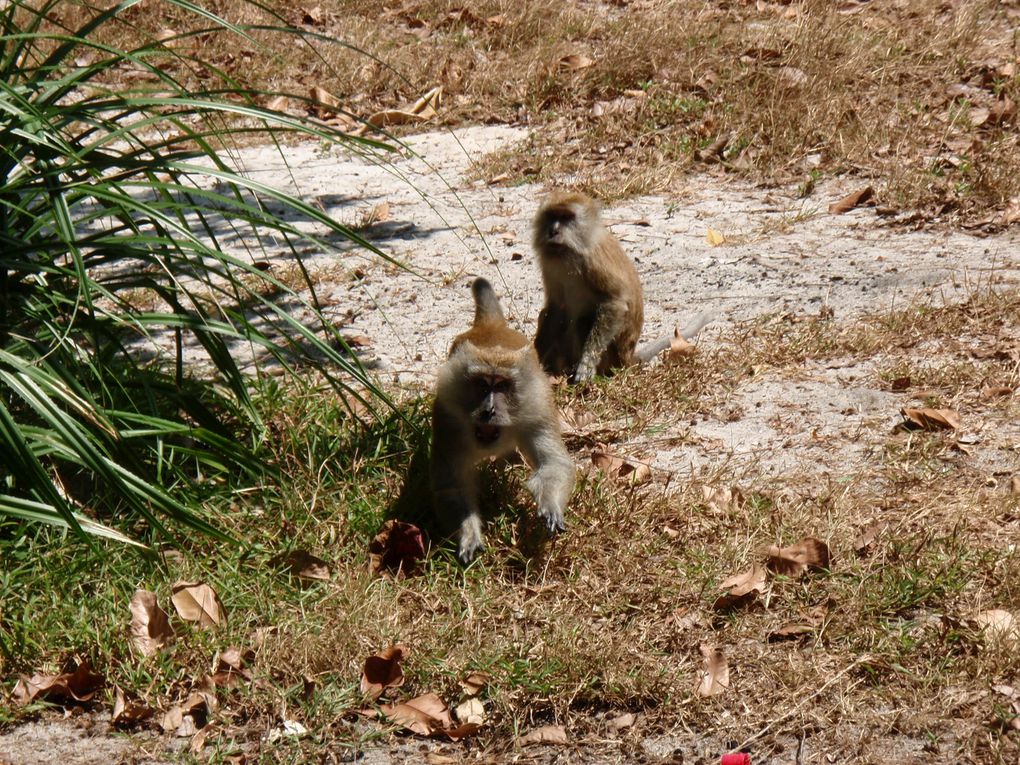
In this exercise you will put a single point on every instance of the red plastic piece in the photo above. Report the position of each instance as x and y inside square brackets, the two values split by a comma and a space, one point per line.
[737, 758]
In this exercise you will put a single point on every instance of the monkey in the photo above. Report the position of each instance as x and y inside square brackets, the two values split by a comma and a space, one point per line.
[492, 397]
[594, 304]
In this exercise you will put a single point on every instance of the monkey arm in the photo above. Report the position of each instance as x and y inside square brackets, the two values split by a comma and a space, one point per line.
[553, 480]
[454, 482]
[610, 317]
[550, 339]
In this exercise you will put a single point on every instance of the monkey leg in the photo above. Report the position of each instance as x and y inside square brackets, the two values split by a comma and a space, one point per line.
[609, 323]
[455, 485]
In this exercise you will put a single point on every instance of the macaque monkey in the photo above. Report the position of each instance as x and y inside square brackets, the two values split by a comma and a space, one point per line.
[491, 398]
[594, 305]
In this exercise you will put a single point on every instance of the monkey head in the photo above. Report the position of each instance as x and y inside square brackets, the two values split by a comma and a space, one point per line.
[567, 222]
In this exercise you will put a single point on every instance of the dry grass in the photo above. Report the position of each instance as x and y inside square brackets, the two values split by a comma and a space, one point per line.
[609, 617]
[920, 99]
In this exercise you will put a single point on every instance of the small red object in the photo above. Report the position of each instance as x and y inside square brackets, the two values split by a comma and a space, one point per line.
[737, 758]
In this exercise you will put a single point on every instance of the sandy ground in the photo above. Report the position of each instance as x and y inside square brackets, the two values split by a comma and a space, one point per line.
[782, 254]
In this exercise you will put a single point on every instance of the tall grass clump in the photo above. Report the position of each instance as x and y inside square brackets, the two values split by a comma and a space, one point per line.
[122, 322]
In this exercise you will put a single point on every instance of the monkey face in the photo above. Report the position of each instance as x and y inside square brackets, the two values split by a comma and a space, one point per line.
[556, 224]
[492, 400]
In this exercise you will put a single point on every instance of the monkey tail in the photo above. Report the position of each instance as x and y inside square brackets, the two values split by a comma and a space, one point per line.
[486, 303]
[649, 351]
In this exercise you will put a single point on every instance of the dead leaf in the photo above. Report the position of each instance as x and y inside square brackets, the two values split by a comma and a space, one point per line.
[930, 419]
[900, 383]
[303, 564]
[422, 110]
[79, 685]
[575, 61]
[715, 677]
[186, 718]
[547, 734]
[574, 422]
[474, 683]
[198, 740]
[150, 625]
[790, 631]
[278, 104]
[127, 712]
[435, 758]
[850, 201]
[679, 347]
[791, 76]
[867, 537]
[231, 667]
[978, 116]
[471, 710]
[378, 214]
[1014, 485]
[397, 548]
[743, 589]
[622, 469]
[324, 99]
[722, 500]
[996, 391]
[808, 554]
[427, 715]
[199, 603]
[714, 238]
[622, 722]
[382, 672]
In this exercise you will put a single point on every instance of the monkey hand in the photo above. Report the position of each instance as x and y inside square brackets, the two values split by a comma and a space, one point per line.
[471, 543]
[553, 518]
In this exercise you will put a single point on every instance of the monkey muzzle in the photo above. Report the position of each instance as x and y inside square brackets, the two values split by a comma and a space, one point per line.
[487, 434]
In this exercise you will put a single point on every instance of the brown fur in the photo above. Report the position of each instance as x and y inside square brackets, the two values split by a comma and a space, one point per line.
[491, 399]
[594, 304]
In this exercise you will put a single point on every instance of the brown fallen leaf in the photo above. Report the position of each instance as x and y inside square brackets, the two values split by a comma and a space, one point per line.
[435, 758]
[715, 676]
[744, 589]
[198, 603]
[474, 683]
[621, 468]
[575, 61]
[78, 685]
[622, 722]
[324, 99]
[232, 667]
[790, 631]
[428, 715]
[1014, 485]
[715, 238]
[302, 564]
[809, 554]
[396, 549]
[930, 419]
[471, 710]
[850, 201]
[150, 625]
[679, 347]
[186, 718]
[126, 711]
[382, 672]
[422, 110]
[996, 391]
[864, 540]
[378, 214]
[547, 734]
[722, 499]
